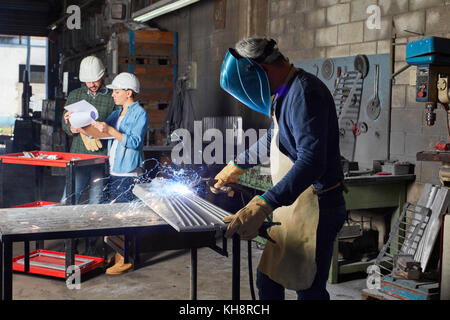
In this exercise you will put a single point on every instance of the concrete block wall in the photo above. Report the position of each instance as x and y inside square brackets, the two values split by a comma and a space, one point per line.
[337, 28]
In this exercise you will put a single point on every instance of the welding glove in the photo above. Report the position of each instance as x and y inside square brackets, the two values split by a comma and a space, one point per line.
[247, 221]
[229, 174]
[91, 144]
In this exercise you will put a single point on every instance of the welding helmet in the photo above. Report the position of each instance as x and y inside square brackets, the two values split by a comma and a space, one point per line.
[247, 81]
[91, 69]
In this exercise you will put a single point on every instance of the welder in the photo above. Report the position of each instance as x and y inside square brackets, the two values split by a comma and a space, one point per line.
[307, 193]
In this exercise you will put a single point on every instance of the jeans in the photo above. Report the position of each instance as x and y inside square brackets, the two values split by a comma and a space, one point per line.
[330, 223]
[121, 189]
[85, 178]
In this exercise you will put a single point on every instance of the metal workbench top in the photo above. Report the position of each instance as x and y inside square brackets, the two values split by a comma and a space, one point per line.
[378, 179]
[63, 219]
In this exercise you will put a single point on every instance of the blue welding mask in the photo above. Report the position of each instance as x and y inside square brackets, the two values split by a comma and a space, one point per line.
[247, 81]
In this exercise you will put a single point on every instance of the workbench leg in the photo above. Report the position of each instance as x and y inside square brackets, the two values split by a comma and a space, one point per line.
[70, 184]
[7, 270]
[26, 252]
[70, 255]
[333, 276]
[39, 185]
[1, 270]
[193, 273]
[236, 272]
[2, 205]
[137, 259]
[126, 248]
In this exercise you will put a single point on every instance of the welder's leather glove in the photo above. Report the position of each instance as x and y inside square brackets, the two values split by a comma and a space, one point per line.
[229, 174]
[91, 144]
[247, 221]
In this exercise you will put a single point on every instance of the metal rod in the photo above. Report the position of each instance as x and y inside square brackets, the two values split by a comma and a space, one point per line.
[7, 270]
[2, 205]
[175, 212]
[195, 215]
[219, 214]
[236, 272]
[70, 255]
[27, 256]
[126, 248]
[1, 266]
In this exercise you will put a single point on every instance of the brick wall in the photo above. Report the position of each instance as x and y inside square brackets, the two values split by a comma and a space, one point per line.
[315, 29]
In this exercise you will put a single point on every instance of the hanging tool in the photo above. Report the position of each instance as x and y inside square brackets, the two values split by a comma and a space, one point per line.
[442, 146]
[328, 69]
[262, 232]
[373, 107]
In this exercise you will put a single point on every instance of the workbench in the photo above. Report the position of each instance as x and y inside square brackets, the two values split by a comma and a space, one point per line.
[364, 192]
[68, 222]
[70, 161]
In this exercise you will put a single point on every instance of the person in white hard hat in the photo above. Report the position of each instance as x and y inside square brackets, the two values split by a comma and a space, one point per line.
[93, 90]
[128, 126]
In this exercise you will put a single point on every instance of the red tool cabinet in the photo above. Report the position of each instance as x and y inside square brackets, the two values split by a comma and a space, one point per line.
[46, 262]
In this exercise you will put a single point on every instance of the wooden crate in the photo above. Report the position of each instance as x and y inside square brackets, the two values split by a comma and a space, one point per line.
[151, 56]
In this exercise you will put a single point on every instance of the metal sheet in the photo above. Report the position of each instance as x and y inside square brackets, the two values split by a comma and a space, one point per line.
[74, 218]
[440, 205]
[180, 206]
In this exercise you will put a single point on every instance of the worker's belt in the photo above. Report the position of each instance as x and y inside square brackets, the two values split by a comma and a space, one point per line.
[317, 192]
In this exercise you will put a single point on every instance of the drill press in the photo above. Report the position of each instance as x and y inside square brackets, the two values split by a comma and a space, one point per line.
[432, 58]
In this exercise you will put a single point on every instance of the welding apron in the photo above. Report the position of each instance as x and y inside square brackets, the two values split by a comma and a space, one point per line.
[291, 260]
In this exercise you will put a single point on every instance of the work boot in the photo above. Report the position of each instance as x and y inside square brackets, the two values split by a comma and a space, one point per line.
[120, 266]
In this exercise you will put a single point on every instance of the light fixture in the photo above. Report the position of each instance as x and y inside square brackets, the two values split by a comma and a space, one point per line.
[160, 8]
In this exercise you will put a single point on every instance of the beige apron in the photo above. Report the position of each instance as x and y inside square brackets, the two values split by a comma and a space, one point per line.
[291, 260]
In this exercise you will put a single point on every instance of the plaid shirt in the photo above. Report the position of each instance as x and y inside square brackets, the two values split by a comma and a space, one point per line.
[104, 103]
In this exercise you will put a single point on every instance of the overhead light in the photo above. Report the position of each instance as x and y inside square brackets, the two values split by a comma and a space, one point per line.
[160, 8]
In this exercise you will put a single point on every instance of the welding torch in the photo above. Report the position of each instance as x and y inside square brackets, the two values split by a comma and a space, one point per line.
[262, 232]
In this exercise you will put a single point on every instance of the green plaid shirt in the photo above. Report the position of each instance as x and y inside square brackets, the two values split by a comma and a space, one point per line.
[104, 103]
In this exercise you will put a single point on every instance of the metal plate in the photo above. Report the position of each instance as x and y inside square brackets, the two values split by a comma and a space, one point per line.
[328, 69]
[180, 206]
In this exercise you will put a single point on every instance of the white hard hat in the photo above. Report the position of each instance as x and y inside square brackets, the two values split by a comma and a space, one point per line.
[91, 69]
[125, 81]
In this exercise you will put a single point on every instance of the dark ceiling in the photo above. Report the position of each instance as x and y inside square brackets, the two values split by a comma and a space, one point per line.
[31, 17]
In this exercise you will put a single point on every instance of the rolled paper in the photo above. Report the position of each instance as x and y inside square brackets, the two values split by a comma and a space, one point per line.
[81, 119]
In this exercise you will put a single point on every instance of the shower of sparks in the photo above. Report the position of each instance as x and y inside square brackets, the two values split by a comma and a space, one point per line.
[170, 179]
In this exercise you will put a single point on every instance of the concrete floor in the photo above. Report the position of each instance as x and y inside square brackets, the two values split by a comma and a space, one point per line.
[163, 276]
